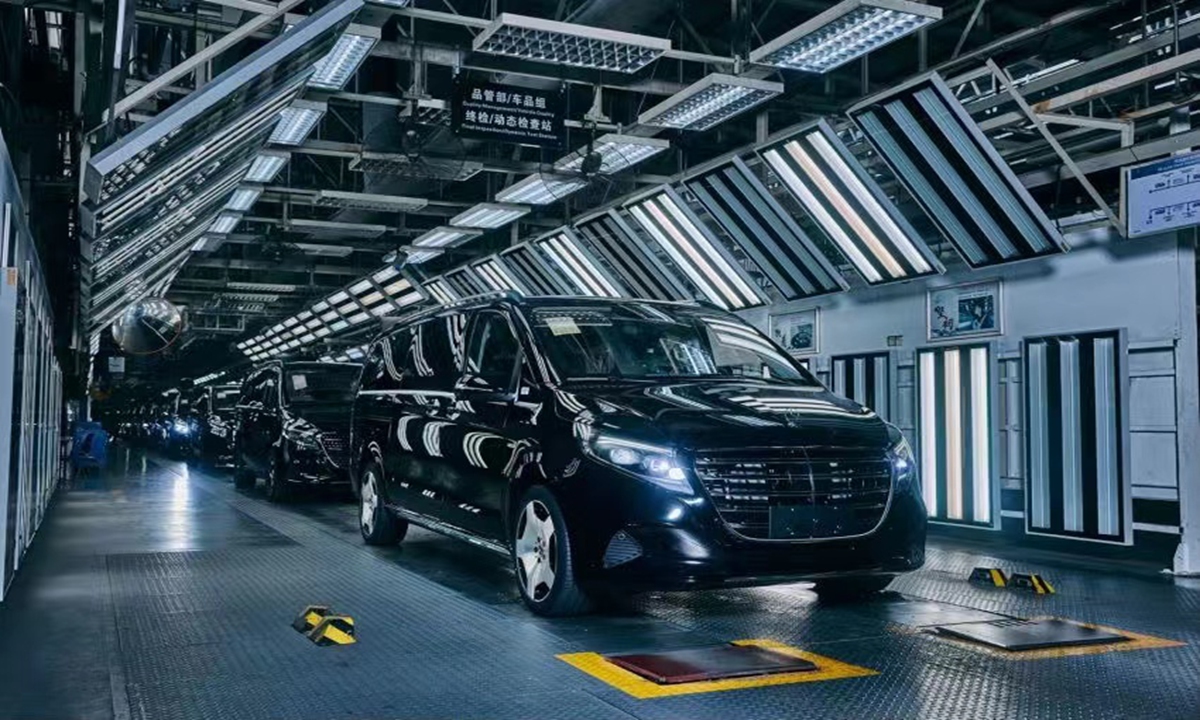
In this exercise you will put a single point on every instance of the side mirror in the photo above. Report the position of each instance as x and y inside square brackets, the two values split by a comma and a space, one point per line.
[474, 388]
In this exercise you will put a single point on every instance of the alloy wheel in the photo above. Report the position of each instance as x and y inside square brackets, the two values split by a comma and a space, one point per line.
[537, 550]
[369, 502]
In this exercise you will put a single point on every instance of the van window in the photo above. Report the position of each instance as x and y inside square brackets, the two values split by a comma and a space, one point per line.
[432, 361]
[493, 351]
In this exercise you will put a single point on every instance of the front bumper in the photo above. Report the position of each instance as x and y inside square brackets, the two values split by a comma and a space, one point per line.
[635, 535]
[315, 467]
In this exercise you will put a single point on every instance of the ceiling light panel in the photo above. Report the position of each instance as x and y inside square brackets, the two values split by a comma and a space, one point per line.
[710, 102]
[695, 251]
[495, 274]
[421, 168]
[444, 237]
[262, 287]
[767, 233]
[541, 189]
[954, 172]
[578, 266]
[850, 207]
[617, 244]
[244, 198]
[333, 71]
[490, 215]
[225, 223]
[562, 43]
[846, 31]
[369, 201]
[266, 166]
[533, 271]
[617, 153]
[297, 122]
[439, 291]
[466, 284]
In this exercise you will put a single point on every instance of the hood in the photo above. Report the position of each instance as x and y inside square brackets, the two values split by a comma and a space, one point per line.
[723, 414]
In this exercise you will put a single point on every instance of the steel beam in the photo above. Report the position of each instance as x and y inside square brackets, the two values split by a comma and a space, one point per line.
[1117, 158]
[186, 67]
[238, 264]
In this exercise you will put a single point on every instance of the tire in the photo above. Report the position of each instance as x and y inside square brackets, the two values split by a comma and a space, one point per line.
[541, 551]
[376, 523]
[851, 589]
[279, 490]
[243, 479]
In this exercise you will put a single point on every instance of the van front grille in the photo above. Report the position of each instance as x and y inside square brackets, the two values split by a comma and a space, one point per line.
[797, 493]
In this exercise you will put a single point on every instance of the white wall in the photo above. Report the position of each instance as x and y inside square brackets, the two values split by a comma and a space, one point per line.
[1105, 282]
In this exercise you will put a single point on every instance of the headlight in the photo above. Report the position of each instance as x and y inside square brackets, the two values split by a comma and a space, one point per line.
[904, 463]
[652, 463]
[181, 427]
[304, 441]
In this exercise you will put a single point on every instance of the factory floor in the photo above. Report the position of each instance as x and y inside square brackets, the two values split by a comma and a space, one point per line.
[157, 590]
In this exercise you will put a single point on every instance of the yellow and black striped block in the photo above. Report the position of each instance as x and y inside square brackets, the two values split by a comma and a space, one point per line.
[988, 576]
[318, 624]
[1031, 582]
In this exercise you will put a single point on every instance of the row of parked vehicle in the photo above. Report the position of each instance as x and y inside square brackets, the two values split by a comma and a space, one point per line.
[600, 444]
[195, 423]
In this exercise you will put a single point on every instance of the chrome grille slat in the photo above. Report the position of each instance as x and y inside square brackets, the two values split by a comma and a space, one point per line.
[745, 484]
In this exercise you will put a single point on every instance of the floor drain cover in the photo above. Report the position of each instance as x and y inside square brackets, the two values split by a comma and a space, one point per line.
[710, 663]
[1018, 635]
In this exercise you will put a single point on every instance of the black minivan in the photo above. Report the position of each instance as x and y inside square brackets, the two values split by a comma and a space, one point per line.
[612, 445]
[293, 425]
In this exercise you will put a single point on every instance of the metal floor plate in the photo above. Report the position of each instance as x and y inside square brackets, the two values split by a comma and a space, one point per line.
[1019, 635]
[162, 592]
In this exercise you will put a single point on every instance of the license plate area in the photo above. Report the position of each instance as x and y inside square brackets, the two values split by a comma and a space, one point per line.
[798, 522]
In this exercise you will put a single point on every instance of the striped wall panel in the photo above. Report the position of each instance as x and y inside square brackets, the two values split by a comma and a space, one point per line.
[1075, 449]
[769, 236]
[954, 434]
[865, 379]
[628, 257]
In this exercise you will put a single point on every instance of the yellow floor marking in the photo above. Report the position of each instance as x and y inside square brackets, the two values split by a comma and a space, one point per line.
[1136, 641]
[595, 665]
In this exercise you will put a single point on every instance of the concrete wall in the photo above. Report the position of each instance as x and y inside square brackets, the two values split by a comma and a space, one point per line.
[1145, 287]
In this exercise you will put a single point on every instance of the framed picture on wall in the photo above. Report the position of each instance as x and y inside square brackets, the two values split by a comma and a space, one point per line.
[797, 332]
[964, 311]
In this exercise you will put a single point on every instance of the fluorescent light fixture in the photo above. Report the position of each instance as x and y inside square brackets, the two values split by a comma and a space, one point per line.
[575, 262]
[695, 251]
[420, 256]
[360, 287]
[489, 215]
[441, 292]
[398, 287]
[709, 102]
[848, 204]
[629, 256]
[541, 189]
[224, 224]
[261, 287]
[940, 154]
[494, 274]
[443, 236]
[385, 274]
[535, 272]
[617, 153]
[569, 44]
[369, 201]
[846, 31]
[391, 3]
[266, 166]
[243, 198]
[372, 298]
[333, 71]
[297, 122]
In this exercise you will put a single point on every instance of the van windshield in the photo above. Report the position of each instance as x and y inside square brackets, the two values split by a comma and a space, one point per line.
[323, 383]
[643, 341]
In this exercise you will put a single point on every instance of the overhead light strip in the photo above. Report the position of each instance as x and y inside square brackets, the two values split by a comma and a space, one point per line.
[489, 215]
[699, 255]
[550, 41]
[297, 122]
[611, 237]
[848, 204]
[617, 153]
[541, 189]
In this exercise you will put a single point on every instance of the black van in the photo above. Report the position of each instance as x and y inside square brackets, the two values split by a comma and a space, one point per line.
[627, 444]
[293, 424]
[214, 410]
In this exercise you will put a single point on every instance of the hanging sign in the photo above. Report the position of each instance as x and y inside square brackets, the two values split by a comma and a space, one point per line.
[1163, 195]
[507, 113]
